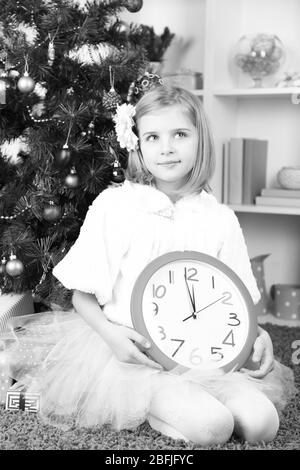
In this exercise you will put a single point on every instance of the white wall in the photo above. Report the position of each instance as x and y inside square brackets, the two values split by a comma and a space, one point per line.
[185, 18]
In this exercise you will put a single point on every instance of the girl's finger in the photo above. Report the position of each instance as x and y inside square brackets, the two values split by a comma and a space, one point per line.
[142, 359]
[259, 348]
[141, 340]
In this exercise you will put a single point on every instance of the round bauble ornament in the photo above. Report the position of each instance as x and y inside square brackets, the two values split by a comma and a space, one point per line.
[63, 156]
[52, 212]
[26, 84]
[14, 267]
[117, 173]
[121, 27]
[72, 180]
[133, 5]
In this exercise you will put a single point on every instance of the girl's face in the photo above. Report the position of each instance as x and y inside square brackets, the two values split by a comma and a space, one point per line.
[168, 143]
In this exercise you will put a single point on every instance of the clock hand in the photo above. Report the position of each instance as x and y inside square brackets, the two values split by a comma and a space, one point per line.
[192, 299]
[218, 300]
[190, 316]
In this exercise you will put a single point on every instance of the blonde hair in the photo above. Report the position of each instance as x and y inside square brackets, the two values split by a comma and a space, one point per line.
[162, 97]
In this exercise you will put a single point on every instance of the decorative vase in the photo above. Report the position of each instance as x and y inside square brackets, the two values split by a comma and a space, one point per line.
[257, 265]
[289, 177]
[286, 299]
[259, 56]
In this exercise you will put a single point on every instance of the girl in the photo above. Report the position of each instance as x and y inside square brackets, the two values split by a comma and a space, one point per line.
[99, 372]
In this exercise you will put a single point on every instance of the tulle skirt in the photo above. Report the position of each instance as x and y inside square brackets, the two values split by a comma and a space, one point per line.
[81, 382]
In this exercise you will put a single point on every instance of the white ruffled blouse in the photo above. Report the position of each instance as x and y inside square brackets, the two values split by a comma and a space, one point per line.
[129, 225]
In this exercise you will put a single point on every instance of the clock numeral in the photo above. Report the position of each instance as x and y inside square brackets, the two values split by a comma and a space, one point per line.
[190, 273]
[156, 308]
[171, 277]
[229, 340]
[216, 350]
[233, 316]
[213, 281]
[195, 358]
[227, 297]
[162, 332]
[158, 291]
[181, 341]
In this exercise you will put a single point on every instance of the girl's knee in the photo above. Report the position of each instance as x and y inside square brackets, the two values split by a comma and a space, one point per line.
[213, 427]
[259, 423]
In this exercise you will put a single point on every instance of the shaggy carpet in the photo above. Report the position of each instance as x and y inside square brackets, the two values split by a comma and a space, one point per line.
[23, 431]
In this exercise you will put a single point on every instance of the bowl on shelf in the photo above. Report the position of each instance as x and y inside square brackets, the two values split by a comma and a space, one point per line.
[289, 177]
[259, 56]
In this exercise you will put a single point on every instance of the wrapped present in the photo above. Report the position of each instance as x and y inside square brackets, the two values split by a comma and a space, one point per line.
[18, 399]
[6, 381]
[12, 305]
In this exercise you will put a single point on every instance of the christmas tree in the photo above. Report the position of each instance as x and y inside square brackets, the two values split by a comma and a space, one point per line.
[64, 68]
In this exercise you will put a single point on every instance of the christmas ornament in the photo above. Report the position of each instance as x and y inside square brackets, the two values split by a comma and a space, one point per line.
[14, 267]
[118, 172]
[72, 180]
[13, 74]
[3, 86]
[111, 99]
[28, 32]
[52, 212]
[133, 5]
[25, 83]
[11, 149]
[63, 156]
[51, 51]
[120, 27]
[40, 90]
[94, 54]
[2, 266]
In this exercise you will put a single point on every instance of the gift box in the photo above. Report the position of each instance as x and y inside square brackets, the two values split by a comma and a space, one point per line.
[18, 399]
[12, 305]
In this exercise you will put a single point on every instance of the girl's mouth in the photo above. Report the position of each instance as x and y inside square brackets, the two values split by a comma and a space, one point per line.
[172, 162]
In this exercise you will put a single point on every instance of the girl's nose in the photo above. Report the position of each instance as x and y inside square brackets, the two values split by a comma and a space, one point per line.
[167, 147]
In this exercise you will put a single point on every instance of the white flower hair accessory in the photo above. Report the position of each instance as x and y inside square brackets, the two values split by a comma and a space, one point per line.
[123, 124]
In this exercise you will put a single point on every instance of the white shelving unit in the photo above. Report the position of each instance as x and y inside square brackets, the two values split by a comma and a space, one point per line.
[258, 92]
[237, 110]
[212, 28]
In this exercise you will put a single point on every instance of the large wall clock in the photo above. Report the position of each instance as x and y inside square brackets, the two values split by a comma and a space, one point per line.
[196, 312]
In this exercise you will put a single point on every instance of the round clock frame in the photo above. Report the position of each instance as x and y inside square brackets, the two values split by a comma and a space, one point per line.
[139, 324]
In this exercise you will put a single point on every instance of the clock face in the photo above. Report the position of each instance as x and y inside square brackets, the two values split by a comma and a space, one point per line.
[195, 311]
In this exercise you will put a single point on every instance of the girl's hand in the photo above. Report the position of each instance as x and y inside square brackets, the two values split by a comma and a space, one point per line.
[121, 339]
[263, 355]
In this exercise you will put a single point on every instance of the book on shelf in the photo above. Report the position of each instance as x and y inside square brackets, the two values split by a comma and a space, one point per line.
[277, 201]
[235, 173]
[255, 169]
[247, 168]
[280, 192]
[225, 187]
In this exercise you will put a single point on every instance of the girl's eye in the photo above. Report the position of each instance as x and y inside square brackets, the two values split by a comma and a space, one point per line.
[180, 134]
[151, 138]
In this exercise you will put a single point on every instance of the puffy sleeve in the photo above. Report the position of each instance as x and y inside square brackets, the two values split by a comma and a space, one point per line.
[93, 262]
[234, 253]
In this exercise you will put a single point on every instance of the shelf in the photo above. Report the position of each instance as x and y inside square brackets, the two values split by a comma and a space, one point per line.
[257, 92]
[265, 209]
